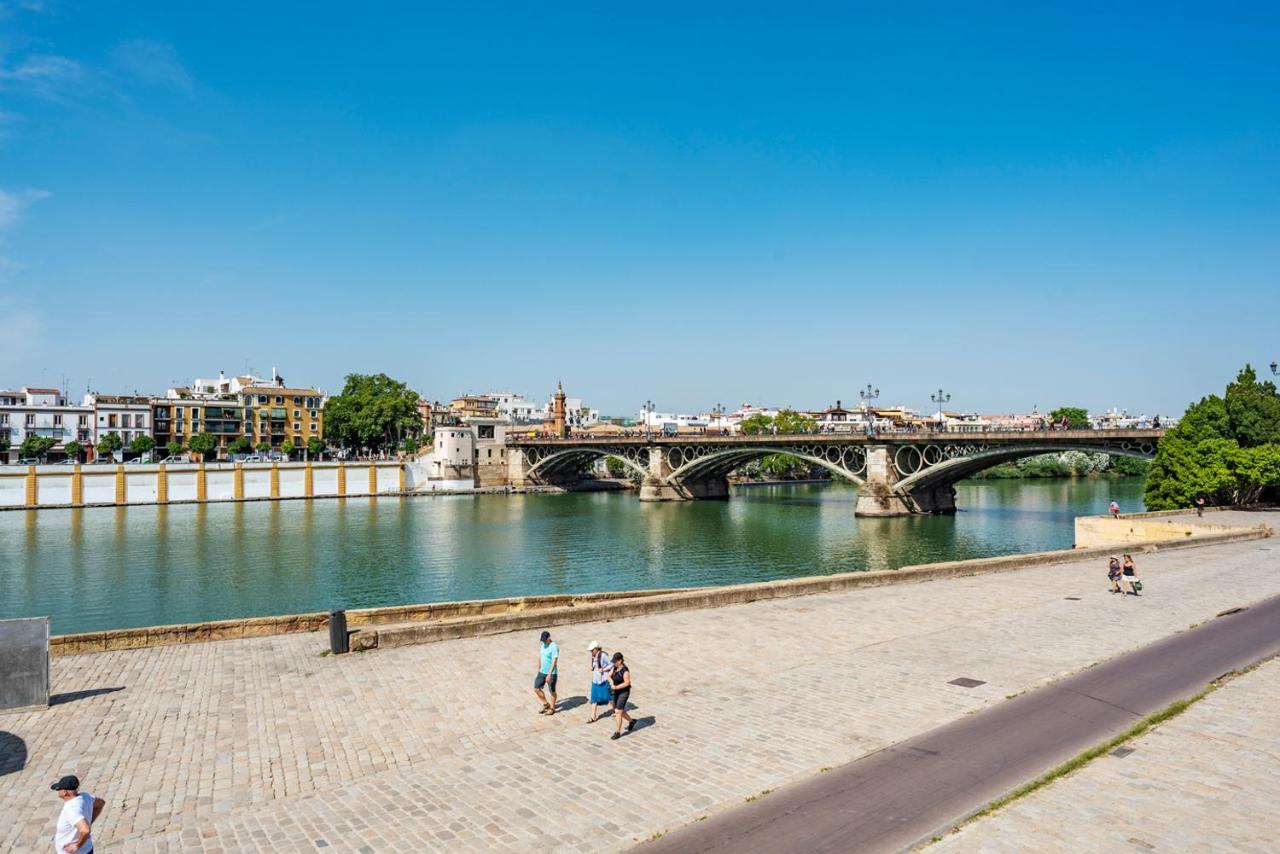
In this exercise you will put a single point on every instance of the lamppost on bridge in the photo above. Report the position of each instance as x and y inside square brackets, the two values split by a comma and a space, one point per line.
[647, 409]
[940, 399]
[1274, 367]
[868, 394]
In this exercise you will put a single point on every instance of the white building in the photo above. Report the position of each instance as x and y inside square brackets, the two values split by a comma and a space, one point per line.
[576, 414]
[516, 407]
[42, 412]
[127, 416]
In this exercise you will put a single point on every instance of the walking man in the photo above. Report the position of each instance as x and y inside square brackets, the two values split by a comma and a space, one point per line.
[79, 811]
[1200, 505]
[546, 677]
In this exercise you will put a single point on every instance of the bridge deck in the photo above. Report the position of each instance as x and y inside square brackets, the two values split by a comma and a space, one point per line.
[1011, 437]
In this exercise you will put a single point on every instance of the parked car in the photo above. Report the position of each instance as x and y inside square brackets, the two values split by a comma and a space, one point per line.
[29, 461]
[175, 460]
[69, 461]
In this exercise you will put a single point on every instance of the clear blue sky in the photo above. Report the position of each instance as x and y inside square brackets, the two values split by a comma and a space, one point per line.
[694, 203]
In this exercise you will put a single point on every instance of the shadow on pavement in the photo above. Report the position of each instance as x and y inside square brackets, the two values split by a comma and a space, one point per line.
[570, 703]
[72, 696]
[13, 753]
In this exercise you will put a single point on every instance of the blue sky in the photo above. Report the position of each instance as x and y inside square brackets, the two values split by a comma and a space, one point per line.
[691, 203]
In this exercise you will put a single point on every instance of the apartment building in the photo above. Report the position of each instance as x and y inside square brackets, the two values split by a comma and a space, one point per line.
[128, 416]
[42, 412]
[184, 413]
[275, 413]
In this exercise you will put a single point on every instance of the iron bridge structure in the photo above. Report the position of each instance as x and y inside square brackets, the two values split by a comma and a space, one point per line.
[898, 473]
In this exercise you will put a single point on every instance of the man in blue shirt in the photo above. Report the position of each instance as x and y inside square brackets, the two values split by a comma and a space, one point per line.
[547, 674]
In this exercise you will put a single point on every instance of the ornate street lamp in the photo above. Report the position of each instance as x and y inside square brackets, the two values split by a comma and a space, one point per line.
[1273, 368]
[647, 409]
[718, 412]
[868, 394]
[940, 399]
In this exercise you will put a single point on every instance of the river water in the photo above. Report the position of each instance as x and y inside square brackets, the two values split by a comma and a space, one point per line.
[108, 568]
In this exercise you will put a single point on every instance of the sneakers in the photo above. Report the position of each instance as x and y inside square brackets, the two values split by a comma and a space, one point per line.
[615, 736]
[546, 709]
[631, 725]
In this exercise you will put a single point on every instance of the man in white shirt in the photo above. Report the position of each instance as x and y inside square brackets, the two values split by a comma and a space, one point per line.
[79, 811]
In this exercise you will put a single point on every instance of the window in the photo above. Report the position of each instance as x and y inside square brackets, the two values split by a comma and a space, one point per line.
[139, 421]
[279, 400]
[84, 420]
[297, 428]
[313, 428]
[313, 413]
[297, 401]
[31, 420]
[177, 412]
[57, 421]
[112, 420]
[4, 418]
[297, 413]
[262, 400]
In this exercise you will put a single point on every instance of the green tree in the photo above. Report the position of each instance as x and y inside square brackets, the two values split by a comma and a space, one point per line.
[1077, 418]
[790, 421]
[373, 411]
[315, 447]
[241, 445]
[174, 447]
[110, 443]
[264, 446]
[203, 444]
[5, 442]
[410, 445]
[35, 447]
[756, 424]
[73, 450]
[142, 444]
[286, 447]
[1225, 449]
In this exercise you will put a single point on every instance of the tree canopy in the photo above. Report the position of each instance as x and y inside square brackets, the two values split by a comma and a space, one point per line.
[174, 447]
[110, 443]
[786, 421]
[203, 443]
[1077, 417]
[1226, 449]
[35, 447]
[142, 444]
[240, 445]
[73, 449]
[373, 411]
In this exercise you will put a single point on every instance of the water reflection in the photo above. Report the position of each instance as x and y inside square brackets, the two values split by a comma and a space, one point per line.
[187, 562]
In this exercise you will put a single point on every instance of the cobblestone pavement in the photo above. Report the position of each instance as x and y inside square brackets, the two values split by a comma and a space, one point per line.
[1206, 780]
[263, 744]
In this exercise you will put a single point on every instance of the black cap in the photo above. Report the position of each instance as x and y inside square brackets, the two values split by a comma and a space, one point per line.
[546, 636]
[67, 783]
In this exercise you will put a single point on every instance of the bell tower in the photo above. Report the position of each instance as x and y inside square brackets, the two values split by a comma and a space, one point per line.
[557, 412]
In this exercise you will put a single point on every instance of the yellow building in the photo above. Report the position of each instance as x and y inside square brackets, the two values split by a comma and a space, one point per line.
[274, 414]
[181, 416]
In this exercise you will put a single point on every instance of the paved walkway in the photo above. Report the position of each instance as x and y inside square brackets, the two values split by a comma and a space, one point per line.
[264, 744]
[1206, 780]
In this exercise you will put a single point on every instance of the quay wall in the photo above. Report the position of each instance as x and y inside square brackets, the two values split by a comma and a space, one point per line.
[372, 628]
[32, 487]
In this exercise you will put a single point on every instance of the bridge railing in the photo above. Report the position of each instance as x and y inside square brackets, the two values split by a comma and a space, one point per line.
[865, 435]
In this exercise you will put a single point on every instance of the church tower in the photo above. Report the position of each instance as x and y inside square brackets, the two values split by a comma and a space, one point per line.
[557, 412]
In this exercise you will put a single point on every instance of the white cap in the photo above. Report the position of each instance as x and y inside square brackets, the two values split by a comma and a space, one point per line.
[594, 646]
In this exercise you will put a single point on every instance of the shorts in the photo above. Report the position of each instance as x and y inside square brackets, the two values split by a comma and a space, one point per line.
[543, 679]
[620, 699]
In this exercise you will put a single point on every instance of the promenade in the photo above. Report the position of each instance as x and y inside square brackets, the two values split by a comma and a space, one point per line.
[265, 744]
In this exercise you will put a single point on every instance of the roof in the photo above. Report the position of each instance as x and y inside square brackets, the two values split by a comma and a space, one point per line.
[274, 389]
[40, 390]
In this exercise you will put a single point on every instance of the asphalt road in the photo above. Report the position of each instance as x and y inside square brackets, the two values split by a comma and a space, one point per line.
[907, 793]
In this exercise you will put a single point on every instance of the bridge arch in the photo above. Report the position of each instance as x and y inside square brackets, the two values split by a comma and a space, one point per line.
[690, 463]
[565, 461]
[944, 467]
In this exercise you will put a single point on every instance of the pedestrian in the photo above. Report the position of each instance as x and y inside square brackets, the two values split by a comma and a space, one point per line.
[1200, 506]
[1114, 509]
[620, 683]
[600, 693]
[79, 811]
[547, 671]
[1114, 573]
[1131, 576]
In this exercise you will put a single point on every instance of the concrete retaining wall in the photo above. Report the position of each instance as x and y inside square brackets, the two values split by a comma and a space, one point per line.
[1136, 529]
[33, 487]
[411, 624]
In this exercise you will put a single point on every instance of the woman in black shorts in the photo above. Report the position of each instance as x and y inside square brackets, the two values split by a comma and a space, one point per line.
[620, 683]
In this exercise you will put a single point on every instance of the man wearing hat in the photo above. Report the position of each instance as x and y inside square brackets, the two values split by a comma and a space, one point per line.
[547, 674]
[79, 811]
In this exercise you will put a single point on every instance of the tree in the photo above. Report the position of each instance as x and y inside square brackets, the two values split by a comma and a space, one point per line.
[203, 444]
[287, 447]
[142, 444]
[1077, 418]
[410, 445]
[790, 421]
[241, 445]
[315, 447]
[34, 447]
[73, 450]
[1226, 449]
[5, 442]
[756, 424]
[373, 411]
[110, 443]
[264, 446]
[174, 447]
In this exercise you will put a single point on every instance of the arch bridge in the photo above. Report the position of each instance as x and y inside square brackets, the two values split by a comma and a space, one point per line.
[897, 473]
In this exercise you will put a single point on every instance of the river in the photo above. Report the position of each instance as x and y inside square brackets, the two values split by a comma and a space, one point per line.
[109, 568]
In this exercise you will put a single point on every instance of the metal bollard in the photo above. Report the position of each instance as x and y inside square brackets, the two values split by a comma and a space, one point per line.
[338, 638]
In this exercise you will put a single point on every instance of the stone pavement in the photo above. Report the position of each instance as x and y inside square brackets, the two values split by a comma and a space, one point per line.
[1207, 780]
[264, 744]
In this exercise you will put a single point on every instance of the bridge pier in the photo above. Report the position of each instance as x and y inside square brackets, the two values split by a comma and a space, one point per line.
[879, 496]
[658, 484]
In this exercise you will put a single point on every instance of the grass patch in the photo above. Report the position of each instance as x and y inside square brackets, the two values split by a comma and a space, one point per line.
[751, 798]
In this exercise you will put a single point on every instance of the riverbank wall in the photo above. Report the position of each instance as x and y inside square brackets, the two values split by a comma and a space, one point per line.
[372, 628]
[1136, 529]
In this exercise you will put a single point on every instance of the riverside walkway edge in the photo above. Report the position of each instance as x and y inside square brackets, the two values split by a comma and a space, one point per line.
[398, 625]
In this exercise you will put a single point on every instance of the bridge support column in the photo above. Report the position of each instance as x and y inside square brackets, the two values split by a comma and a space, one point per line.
[879, 495]
[517, 468]
[656, 485]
